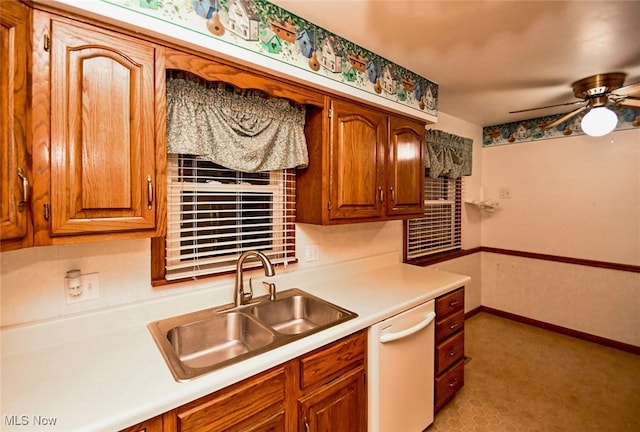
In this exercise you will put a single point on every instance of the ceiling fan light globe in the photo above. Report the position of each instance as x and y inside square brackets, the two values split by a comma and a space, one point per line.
[599, 121]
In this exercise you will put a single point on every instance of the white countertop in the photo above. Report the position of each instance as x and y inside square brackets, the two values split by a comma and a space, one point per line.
[103, 371]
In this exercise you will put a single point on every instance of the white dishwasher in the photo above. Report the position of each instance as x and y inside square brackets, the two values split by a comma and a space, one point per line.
[400, 369]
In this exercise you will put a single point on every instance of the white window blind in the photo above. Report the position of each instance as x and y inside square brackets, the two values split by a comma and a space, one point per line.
[215, 214]
[440, 228]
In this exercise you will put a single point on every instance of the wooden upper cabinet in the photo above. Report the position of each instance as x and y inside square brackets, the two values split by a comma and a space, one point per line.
[102, 129]
[15, 169]
[357, 152]
[365, 165]
[405, 167]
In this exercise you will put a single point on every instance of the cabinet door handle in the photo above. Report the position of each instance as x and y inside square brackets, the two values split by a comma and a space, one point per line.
[381, 194]
[393, 194]
[149, 192]
[306, 425]
[25, 189]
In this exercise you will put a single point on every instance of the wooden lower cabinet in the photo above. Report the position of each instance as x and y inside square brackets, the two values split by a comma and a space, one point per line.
[324, 390]
[449, 354]
[337, 407]
[332, 390]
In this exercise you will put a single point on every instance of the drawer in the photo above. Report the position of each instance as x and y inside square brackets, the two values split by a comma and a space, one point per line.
[329, 363]
[448, 384]
[449, 326]
[449, 304]
[449, 352]
[262, 395]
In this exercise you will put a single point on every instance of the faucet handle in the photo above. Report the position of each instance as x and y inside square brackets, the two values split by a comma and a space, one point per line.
[246, 296]
[272, 289]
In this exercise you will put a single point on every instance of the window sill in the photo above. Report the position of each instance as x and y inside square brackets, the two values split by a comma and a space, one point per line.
[441, 257]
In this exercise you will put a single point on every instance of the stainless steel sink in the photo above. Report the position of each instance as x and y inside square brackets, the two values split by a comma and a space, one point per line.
[217, 339]
[202, 341]
[298, 313]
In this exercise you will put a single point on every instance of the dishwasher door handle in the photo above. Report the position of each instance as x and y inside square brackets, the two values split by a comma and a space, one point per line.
[390, 337]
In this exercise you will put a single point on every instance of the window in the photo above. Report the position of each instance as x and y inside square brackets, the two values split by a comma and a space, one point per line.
[215, 214]
[440, 228]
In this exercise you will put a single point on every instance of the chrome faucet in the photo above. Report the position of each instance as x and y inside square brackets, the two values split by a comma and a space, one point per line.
[240, 297]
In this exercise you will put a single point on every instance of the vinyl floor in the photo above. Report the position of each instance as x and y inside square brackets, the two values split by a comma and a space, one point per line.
[521, 378]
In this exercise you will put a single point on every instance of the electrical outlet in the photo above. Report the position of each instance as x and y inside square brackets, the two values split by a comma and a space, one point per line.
[505, 193]
[313, 253]
[89, 289]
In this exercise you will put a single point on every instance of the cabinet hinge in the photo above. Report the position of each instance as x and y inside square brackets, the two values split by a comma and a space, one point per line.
[47, 42]
[330, 113]
[46, 211]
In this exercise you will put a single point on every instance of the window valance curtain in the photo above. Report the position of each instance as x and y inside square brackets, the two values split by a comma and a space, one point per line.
[447, 155]
[243, 130]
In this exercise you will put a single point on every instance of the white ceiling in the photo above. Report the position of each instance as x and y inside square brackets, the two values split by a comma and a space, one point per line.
[491, 57]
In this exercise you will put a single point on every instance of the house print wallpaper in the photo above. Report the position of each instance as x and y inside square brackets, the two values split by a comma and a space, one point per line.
[529, 130]
[269, 30]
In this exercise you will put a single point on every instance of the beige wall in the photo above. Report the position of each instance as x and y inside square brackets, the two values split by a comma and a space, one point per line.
[574, 197]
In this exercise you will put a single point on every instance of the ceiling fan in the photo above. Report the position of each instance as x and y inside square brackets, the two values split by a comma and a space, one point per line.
[596, 92]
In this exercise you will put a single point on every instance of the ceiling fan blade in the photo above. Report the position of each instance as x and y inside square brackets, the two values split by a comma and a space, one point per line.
[629, 102]
[630, 90]
[563, 119]
[548, 106]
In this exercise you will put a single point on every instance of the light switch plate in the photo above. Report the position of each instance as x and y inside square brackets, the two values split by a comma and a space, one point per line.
[312, 253]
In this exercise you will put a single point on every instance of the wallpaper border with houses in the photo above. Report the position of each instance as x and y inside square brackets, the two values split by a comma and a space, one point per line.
[529, 130]
[268, 30]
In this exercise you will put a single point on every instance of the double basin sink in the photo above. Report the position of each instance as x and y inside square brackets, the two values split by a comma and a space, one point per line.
[199, 342]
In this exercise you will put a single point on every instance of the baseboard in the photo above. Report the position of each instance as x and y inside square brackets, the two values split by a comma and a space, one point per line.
[556, 328]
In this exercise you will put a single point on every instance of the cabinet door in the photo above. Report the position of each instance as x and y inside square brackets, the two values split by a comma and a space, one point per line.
[339, 406]
[14, 166]
[405, 169]
[357, 161]
[102, 131]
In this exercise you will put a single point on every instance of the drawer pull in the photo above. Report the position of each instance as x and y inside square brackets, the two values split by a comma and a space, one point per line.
[454, 325]
[25, 189]
[453, 303]
[453, 383]
[149, 193]
[452, 353]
